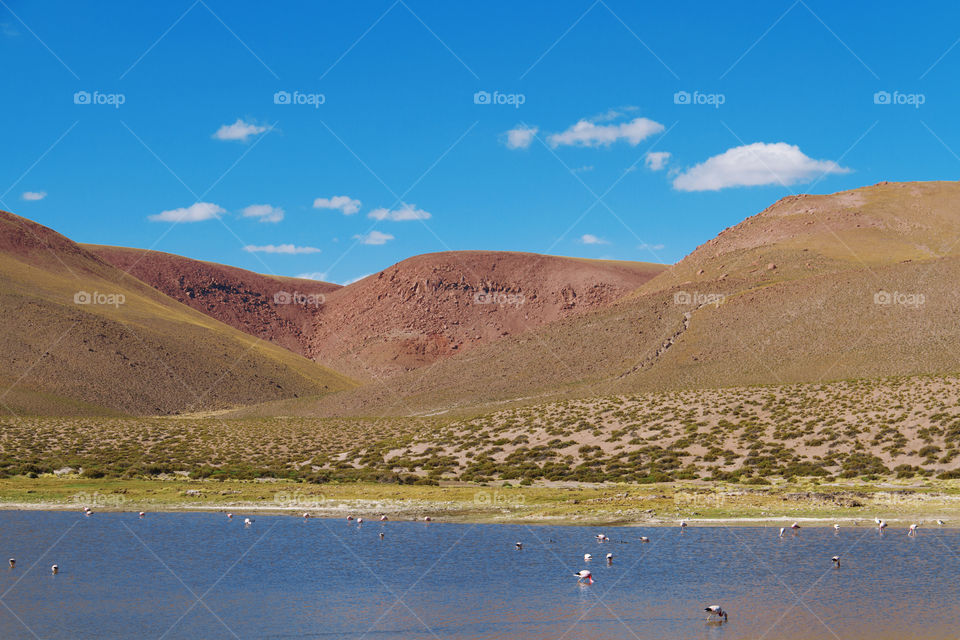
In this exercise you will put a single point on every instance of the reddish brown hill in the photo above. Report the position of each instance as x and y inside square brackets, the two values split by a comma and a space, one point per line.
[80, 336]
[248, 301]
[440, 304]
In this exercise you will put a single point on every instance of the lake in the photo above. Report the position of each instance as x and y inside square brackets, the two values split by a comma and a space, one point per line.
[199, 575]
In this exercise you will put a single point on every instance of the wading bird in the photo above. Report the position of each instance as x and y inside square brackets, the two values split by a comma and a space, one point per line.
[714, 612]
[683, 525]
[13, 562]
[940, 522]
[587, 557]
[229, 516]
[609, 558]
[142, 514]
[383, 518]
[913, 530]
[584, 577]
[644, 539]
[247, 522]
[836, 561]
[426, 518]
[836, 527]
[359, 520]
[782, 530]
[306, 516]
[55, 569]
[795, 526]
[519, 546]
[381, 535]
[602, 537]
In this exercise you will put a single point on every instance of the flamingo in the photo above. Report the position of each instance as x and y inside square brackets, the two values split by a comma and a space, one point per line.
[142, 514]
[381, 535]
[426, 518]
[306, 516]
[247, 522]
[609, 558]
[359, 520]
[715, 612]
[602, 537]
[383, 518]
[519, 546]
[836, 527]
[836, 561]
[229, 516]
[349, 518]
[584, 576]
[913, 530]
[13, 562]
[587, 557]
[683, 525]
[882, 526]
[644, 539]
[782, 530]
[940, 522]
[795, 526]
[55, 569]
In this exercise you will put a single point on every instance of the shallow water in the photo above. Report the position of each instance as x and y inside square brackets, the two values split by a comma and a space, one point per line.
[202, 576]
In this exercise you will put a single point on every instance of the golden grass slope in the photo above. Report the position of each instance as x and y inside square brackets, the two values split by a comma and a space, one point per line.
[140, 352]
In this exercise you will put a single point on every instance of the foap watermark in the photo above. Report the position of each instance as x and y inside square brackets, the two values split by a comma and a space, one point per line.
[95, 97]
[302, 299]
[299, 500]
[108, 299]
[98, 500]
[687, 298]
[899, 98]
[299, 98]
[485, 97]
[501, 298]
[699, 98]
[498, 499]
[890, 298]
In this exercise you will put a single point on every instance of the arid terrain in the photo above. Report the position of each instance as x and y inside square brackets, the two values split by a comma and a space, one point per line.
[816, 339]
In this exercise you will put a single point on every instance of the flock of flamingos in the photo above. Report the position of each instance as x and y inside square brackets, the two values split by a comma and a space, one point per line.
[715, 613]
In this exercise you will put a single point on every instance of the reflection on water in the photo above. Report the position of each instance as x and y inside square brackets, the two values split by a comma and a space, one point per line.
[202, 576]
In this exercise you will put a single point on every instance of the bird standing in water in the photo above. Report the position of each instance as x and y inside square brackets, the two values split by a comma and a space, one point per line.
[584, 577]
[836, 562]
[714, 612]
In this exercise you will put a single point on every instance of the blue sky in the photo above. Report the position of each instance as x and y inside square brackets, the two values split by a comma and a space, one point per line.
[204, 156]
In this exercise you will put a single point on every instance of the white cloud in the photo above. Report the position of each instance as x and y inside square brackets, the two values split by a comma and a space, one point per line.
[357, 279]
[650, 247]
[289, 249]
[583, 169]
[589, 238]
[589, 134]
[374, 237]
[239, 130]
[521, 136]
[314, 275]
[405, 212]
[754, 164]
[196, 212]
[657, 160]
[34, 195]
[264, 213]
[346, 204]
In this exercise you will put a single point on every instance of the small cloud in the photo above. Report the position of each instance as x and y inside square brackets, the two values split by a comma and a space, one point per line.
[404, 213]
[239, 130]
[288, 249]
[345, 204]
[521, 136]
[264, 213]
[357, 279]
[756, 164]
[8, 30]
[314, 275]
[196, 212]
[650, 247]
[31, 196]
[657, 160]
[583, 169]
[589, 238]
[374, 237]
[586, 133]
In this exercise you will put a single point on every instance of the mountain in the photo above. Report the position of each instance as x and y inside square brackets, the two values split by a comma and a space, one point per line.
[263, 306]
[410, 315]
[81, 336]
[857, 284]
